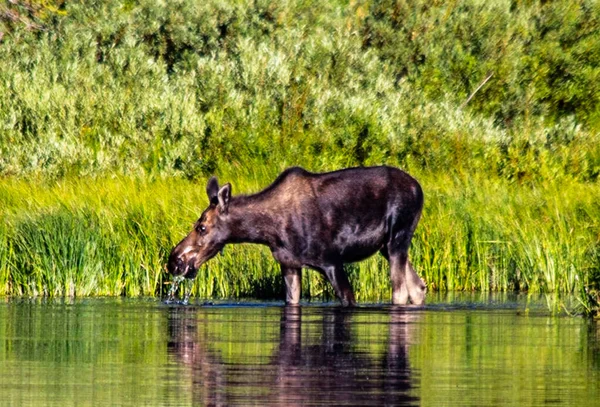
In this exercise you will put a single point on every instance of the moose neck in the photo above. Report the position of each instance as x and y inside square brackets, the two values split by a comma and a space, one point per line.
[251, 220]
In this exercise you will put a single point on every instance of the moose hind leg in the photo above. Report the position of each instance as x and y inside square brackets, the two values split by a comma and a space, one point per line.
[406, 283]
[415, 286]
[292, 277]
[341, 285]
[398, 263]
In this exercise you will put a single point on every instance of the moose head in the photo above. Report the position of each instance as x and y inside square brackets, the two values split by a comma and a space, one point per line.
[208, 236]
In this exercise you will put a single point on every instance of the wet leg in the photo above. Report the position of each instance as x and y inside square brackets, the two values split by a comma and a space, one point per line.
[405, 281]
[398, 263]
[292, 277]
[341, 285]
[415, 286]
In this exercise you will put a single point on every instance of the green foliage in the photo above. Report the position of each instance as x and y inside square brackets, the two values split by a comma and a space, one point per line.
[187, 89]
[544, 56]
[112, 237]
[164, 93]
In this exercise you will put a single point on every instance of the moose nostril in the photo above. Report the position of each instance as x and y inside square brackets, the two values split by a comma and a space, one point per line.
[175, 264]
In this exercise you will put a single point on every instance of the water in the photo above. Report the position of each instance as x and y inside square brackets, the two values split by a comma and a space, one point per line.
[143, 352]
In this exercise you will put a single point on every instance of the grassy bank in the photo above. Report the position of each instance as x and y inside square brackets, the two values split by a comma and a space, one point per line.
[112, 237]
[114, 113]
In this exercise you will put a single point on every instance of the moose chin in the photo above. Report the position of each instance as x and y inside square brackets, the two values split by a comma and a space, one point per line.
[316, 221]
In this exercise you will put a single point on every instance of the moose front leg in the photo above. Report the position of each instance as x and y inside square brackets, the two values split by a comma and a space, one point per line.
[292, 277]
[341, 285]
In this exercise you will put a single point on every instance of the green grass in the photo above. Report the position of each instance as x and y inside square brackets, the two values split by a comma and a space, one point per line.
[114, 114]
[112, 237]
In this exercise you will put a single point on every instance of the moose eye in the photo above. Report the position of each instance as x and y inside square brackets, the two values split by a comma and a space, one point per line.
[201, 228]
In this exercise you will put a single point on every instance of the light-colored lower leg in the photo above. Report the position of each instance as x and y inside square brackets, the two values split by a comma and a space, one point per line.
[400, 295]
[398, 277]
[415, 286]
[293, 285]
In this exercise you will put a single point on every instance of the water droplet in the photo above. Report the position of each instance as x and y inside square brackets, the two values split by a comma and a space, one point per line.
[175, 281]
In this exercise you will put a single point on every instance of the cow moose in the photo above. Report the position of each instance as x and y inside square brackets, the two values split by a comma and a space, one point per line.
[316, 221]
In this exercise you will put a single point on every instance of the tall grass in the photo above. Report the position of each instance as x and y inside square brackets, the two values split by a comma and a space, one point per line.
[112, 237]
[113, 112]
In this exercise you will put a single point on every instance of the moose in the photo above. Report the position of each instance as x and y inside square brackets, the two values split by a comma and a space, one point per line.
[316, 221]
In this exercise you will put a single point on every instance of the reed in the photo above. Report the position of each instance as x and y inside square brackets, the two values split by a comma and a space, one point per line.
[113, 236]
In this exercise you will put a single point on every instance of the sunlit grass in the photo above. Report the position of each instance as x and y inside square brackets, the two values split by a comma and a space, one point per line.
[112, 237]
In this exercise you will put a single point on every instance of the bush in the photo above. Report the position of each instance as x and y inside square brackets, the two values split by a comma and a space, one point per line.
[189, 89]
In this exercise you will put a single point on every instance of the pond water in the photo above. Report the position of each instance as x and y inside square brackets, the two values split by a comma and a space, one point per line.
[143, 352]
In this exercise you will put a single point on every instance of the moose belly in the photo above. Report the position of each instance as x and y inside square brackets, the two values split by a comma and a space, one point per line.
[354, 244]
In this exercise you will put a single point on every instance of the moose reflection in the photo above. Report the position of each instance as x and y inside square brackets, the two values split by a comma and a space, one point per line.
[323, 360]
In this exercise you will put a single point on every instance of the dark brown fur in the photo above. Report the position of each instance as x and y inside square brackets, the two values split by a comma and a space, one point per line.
[319, 221]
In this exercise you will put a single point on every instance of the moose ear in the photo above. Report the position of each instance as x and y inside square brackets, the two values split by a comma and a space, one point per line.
[212, 190]
[224, 195]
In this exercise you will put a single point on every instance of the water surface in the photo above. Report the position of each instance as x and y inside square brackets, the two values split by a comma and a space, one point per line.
[143, 352]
